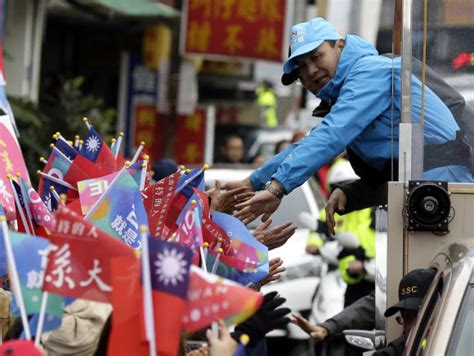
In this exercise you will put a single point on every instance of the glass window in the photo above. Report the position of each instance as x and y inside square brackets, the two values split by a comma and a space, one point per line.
[462, 339]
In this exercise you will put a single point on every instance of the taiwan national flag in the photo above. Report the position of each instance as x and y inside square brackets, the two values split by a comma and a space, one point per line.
[62, 145]
[169, 266]
[31, 255]
[120, 211]
[96, 150]
[211, 298]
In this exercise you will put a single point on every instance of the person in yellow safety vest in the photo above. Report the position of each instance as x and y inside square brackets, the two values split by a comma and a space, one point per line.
[356, 265]
[267, 101]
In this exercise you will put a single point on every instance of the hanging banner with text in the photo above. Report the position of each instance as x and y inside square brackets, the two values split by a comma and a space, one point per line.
[255, 29]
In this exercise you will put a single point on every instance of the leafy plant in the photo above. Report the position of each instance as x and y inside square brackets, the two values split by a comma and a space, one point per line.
[61, 111]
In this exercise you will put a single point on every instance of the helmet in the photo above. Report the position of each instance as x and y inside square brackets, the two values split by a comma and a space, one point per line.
[341, 171]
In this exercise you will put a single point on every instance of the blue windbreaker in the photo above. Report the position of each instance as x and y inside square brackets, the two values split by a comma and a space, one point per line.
[365, 118]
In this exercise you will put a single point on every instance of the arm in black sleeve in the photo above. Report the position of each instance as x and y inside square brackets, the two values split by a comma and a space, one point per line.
[362, 194]
[360, 315]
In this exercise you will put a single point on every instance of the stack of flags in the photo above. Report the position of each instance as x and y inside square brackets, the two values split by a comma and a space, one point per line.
[98, 229]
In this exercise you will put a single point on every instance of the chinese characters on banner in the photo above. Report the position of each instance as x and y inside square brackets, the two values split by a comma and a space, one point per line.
[190, 139]
[236, 28]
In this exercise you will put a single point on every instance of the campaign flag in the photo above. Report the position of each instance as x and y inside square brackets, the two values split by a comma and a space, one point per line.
[11, 162]
[96, 150]
[243, 245]
[214, 235]
[194, 179]
[157, 199]
[189, 232]
[79, 263]
[211, 298]
[169, 266]
[127, 333]
[90, 190]
[31, 256]
[120, 211]
[39, 212]
[58, 166]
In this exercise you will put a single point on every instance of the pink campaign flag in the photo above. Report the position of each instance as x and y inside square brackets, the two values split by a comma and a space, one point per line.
[11, 162]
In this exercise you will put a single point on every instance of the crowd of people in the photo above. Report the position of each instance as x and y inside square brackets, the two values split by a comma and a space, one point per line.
[357, 149]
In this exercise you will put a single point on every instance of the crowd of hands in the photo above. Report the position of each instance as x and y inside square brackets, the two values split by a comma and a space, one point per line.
[239, 199]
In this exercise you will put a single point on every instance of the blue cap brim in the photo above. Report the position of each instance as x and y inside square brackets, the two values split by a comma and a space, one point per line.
[289, 64]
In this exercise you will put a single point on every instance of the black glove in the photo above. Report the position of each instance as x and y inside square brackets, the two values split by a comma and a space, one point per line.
[265, 319]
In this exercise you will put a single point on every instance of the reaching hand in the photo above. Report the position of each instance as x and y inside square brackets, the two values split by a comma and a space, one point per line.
[226, 201]
[237, 184]
[267, 318]
[275, 270]
[276, 236]
[336, 204]
[263, 203]
[222, 345]
[318, 333]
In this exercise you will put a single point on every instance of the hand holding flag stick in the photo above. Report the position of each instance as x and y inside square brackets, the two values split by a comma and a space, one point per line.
[14, 277]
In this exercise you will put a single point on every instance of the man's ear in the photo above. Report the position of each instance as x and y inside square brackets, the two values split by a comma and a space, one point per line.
[340, 43]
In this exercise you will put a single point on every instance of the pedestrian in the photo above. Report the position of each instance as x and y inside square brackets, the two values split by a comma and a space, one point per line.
[364, 118]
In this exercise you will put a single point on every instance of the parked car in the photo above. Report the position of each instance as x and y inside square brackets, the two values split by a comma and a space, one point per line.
[299, 282]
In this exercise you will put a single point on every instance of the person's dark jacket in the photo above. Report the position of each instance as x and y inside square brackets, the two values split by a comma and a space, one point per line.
[359, 315]
[394, 348]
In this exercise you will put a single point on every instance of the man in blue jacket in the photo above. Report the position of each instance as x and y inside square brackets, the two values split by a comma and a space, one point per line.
[363, 89]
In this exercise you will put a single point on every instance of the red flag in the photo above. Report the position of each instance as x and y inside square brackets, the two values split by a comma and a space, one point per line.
[211, 298]
[169, 266]
[157, 199]
[79, 263]
[127, 334]
[96, 150]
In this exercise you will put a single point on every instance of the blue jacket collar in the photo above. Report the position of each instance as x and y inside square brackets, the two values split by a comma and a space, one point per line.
[354, 49]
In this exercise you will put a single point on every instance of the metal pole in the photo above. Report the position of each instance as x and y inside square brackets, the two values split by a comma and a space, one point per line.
[406, 61]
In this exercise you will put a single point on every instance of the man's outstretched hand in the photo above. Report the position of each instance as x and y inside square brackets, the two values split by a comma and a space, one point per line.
[318, 333]
[263, 203]
[336, 204]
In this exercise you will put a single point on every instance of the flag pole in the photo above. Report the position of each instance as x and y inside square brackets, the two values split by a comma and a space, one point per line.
[86, 121]
[147, 296]
[27, 208]
[118, 144]
[189, 180]
[216, 261]
[56, 180]
[20, 209]
[43, 160]
[143, 175]
[77, 140]
[56, 196]
[137, 153]
[15, 279]
[42, 313]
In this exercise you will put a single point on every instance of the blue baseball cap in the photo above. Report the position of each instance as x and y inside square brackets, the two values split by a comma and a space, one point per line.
[306, 37]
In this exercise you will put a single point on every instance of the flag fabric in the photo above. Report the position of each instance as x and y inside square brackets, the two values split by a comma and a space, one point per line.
[195, 179]
[169, 265]
[31, 255]
[79, 264]
[120, 211]
[62, 145]
[243, 245]
[58, 166]
[96, 150]
[211, 298]
[157, 199]
[127, 334]
[189, 232]
[11, 162]
[39, 212]
[90, 190]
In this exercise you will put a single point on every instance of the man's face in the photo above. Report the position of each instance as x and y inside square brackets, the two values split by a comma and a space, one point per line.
[318, 67]
[234, 149]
